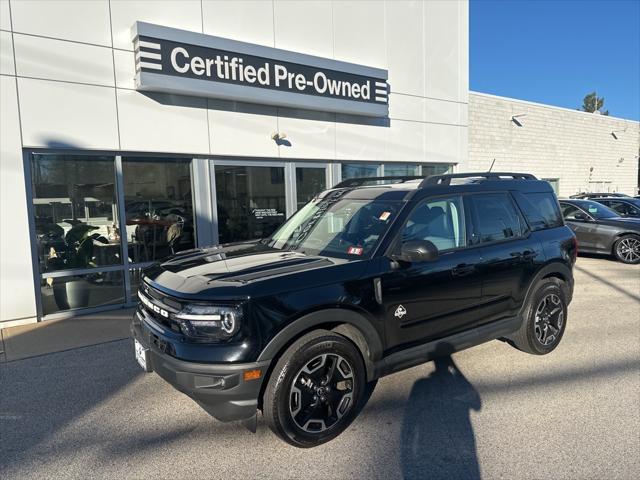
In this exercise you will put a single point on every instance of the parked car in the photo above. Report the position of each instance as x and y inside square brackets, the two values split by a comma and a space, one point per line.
[362, 282]
[623, 206]
[601, 230]
[588, 195]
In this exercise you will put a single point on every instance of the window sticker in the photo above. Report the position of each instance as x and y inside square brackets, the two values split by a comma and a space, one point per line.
[384, 216]
[593, 209]
[355, 250]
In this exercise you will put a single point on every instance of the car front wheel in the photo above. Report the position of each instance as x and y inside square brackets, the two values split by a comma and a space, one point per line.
[315, 390]
[627, 249]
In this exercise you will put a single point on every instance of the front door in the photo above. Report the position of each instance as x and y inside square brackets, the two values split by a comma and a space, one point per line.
[582, 224]
[424, 301]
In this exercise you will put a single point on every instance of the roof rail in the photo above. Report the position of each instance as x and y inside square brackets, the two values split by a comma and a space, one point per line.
[358, 182]
[445, 179]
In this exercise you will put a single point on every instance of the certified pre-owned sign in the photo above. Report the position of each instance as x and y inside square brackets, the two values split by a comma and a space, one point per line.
[188, 63]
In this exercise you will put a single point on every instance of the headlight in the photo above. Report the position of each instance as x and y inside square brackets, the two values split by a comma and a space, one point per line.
[217, 322]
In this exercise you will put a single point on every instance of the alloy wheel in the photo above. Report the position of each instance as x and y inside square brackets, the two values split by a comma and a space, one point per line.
[321, 393]
[549, 319]
[629, 250]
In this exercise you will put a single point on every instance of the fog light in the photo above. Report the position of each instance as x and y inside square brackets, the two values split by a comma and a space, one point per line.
[202, 381]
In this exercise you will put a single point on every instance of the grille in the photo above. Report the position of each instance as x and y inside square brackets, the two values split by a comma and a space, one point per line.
[164, 302]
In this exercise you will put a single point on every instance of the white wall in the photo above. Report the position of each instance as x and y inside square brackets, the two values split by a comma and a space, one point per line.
[576, 147]
[71, 85]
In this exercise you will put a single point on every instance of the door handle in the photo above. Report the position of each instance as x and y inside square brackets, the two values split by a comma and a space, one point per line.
[462, 270]
[526, 255]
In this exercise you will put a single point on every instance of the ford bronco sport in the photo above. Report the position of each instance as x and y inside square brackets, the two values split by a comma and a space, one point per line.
[363, 281]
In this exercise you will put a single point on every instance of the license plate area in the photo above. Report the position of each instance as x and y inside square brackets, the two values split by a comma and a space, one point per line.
[142, 355]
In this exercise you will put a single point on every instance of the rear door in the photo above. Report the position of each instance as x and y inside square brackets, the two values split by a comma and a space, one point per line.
[423, 301]
[510, 254]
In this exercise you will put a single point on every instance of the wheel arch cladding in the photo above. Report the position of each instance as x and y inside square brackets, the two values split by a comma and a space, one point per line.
[352, 325]
[551, 270]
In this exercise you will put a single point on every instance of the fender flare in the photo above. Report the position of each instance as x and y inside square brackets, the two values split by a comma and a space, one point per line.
[353, 325]
[553, 269]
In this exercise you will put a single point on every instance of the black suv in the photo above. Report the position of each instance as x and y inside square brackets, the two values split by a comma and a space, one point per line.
[363, 281]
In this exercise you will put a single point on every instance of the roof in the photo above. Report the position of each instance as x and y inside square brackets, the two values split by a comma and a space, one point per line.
[405, 188]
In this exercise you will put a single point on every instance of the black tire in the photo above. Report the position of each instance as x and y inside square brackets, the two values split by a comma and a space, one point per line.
[286, 405]
[533, 337]
[627, 249]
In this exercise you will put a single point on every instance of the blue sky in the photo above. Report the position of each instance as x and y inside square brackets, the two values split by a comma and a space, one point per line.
[557, 51]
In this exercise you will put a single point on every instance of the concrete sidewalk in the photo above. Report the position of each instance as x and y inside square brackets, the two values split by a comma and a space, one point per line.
[59, 335]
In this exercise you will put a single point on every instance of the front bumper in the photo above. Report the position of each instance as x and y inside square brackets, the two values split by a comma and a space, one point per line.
[219, 388]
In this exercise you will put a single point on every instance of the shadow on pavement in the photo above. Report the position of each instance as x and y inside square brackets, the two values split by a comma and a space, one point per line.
[437, 439]
[43, 395]
[608, 283]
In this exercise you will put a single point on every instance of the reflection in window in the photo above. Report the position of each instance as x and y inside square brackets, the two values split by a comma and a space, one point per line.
[496, 217]
[251, 201]
[309, 182]
[440, 221]
[360, 170]
[81, 291]
[435, 169]
[400, 169]
[158, 207]
[76, 217]
[393, 169]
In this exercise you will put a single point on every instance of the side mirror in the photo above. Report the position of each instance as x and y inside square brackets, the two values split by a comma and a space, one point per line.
[581, 216]
[417, 251]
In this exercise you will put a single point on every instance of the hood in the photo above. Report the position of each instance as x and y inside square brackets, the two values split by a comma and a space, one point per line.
[235, 271]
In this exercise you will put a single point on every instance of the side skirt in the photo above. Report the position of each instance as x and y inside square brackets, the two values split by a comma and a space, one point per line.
[445, 346]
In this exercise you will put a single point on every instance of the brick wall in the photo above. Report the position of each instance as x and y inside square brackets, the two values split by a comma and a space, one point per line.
[577, 148]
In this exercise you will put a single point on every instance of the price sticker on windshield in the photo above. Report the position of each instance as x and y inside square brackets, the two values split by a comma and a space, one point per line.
[355, 250]
[384, 216]
[593, 209]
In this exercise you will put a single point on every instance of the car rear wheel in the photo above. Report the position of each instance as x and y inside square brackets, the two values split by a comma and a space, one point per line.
[627, 249]
[315, 390]
[544, 318]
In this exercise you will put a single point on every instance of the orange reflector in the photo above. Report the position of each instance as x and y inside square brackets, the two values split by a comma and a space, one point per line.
[252, 375]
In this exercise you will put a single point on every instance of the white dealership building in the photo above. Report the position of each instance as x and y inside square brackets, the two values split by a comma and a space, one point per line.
[133, 130]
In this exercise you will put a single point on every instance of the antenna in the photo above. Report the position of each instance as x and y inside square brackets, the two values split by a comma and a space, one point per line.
[491, 167]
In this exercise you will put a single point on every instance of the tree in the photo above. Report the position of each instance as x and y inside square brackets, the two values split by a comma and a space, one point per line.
[592, 103]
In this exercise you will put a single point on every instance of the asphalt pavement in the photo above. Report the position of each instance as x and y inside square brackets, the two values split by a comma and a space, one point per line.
[491, 412]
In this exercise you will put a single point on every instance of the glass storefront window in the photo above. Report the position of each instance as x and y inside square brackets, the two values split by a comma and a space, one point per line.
[251, 201]
[309, 182]
[400, 169]
[435, 169]
[391, 169]
[360, 170]
[158, 207]
[76, 216]
[81, 291]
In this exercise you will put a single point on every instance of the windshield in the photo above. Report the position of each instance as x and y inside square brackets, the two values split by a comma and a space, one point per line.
[336, 227]
[597, 210]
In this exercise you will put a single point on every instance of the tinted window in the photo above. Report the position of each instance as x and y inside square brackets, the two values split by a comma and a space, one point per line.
[495, 218]
[440, 221]
[623, 208]
[569, 211]
[540, 209]
[597, 210]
